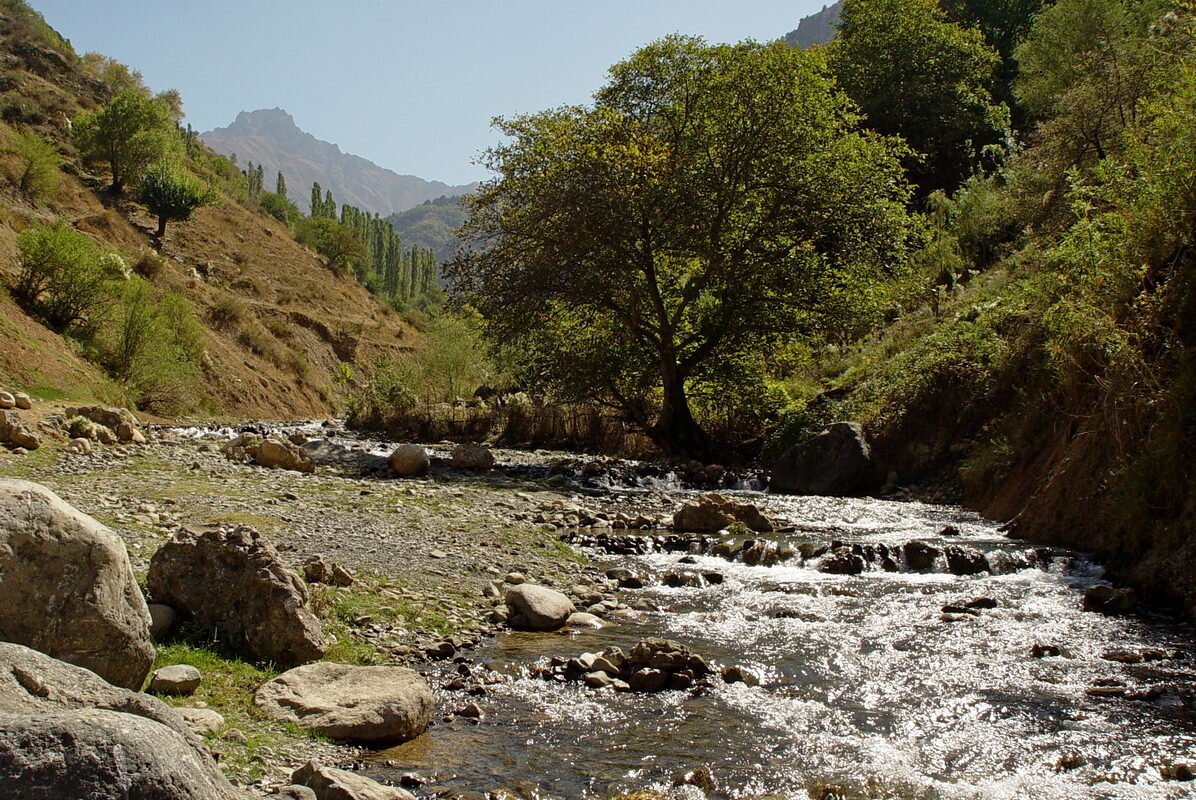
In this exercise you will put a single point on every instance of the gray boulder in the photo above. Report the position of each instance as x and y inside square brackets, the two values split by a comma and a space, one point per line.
[280, 454]
[712, 512]
[338, 784]
[836, 462]
[360, 704]
[538, 607]
[118, 744]
[14, 432]
[67, 588]
[472, 457]
[260, 607]
[410, 460]
[176, 679]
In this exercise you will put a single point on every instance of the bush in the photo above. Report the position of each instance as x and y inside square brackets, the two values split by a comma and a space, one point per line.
[172, 195]
[279, 207]
[229, 311]
[154, 348]
[64, 277]
[38, 164]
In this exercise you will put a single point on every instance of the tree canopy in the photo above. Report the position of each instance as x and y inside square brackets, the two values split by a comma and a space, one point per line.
[917, 75]
[170, 194]
[130, 133]
[712, 203]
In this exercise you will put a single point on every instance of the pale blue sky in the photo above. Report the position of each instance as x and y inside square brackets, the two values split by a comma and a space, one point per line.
[409, 85]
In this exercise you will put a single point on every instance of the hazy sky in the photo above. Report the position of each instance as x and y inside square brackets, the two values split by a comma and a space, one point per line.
[411, 85]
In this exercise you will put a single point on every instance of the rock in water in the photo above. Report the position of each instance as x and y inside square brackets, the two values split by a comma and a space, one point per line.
[338, 784]
[836, 462]
[118, 744]
[67, 588]
[360, 704]
[540, 608]
[713, 512]
[260, 606]
[410, 460]
[964, 560]
[472, 457]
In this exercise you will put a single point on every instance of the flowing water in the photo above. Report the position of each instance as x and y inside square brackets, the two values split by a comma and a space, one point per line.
[867, 690]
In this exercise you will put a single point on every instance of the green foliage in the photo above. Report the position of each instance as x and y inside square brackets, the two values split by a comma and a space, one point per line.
[64, 279]
[38, 164]
[339, 244]
[919, 76]
[715, 200]
[33, 22]
[130, 133]
[170, 194]
[115, 75]
[279, 207]
[153, 347]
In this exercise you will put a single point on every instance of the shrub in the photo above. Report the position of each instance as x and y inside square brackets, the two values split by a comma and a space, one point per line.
[229, 311]
[38, 164]
[150, 266]
[154, 347]
[64, 279]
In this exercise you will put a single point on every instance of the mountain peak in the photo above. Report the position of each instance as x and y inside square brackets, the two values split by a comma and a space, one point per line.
[271, 138]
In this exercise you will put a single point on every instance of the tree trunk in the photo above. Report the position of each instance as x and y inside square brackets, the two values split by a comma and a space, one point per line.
[161, 228]
[676, 431]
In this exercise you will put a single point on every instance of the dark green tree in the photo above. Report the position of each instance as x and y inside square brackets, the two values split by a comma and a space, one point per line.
[130, 133]
[280, 187]
[917, 75]
[172, 195]
[714, 202]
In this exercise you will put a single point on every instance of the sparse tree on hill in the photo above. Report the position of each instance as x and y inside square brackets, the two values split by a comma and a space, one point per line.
[339, 244]
[170, 195]
[280, 187]
[38, 165]
[130, 133]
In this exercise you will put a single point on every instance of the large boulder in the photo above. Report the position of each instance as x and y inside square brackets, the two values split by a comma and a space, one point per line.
[232, 580]
[964, 560]
[410, 460]
[67, 588]
[472, 457]
[360, 704]
[538, 607]
[337, 784]
[65, 733]
[836, 462]
[281, 454]
[14, 432]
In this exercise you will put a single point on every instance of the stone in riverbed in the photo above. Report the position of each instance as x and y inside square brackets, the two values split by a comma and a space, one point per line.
[964, 560]
[842, 562]
[410, 460]
[118, 744]
[260, 607]
[282, 454]
[538, 607]
[919, 555]
[14, 432]
[337, 784]
[472, 457]
[23, 401]
[176, 679]
[201, 720]
[1106, 599]
[837, 462]
[67, 588]
[360, 704]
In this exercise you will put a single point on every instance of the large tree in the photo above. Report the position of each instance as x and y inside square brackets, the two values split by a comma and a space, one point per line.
[917, 75]
[713, 202]
[170, 194]
[130, 133]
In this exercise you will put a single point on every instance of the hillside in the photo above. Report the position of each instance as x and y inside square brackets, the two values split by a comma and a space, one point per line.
[271, 138]
[431, 224]
[815, 29]
[275, 324]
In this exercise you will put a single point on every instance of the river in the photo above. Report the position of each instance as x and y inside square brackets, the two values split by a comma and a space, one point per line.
[867, 688]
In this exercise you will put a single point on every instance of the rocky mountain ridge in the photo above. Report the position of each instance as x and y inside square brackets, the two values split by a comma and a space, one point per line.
[817, 28]
[271, 138]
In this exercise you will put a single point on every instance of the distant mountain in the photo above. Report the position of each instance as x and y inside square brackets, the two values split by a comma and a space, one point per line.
[431, 225]
[815, 29]
[271, 138]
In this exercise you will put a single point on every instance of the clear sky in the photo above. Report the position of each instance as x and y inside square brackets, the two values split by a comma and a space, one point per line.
[409, 84]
